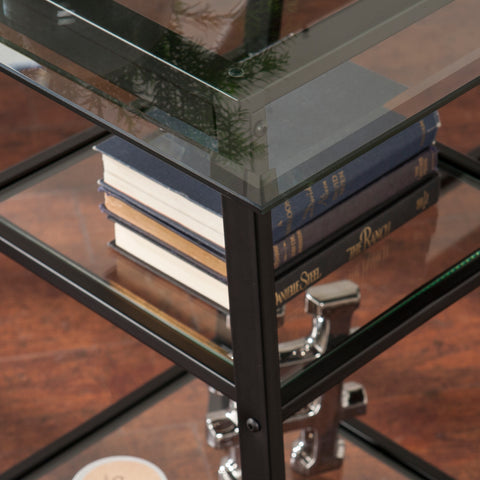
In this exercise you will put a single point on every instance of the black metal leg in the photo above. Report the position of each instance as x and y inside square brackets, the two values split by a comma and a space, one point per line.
[248, 237]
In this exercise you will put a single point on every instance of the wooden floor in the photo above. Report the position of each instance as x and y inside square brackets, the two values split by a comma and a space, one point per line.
[60, 363]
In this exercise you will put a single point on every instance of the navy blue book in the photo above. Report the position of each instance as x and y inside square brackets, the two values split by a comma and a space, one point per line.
[188, 202]
[371, 198]
[291, 278]
[296, 276]
[351, 210]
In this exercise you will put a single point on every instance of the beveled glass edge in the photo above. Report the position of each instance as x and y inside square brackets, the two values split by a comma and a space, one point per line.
[192, 351]
[267, 206]
[262, 198]
[112, 128]
[224, 190]
[232, 77]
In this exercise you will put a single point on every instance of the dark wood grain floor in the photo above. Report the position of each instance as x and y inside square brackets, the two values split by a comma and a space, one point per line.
[60, 363]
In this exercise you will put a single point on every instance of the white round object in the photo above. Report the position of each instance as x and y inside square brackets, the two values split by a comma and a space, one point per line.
[120, 467]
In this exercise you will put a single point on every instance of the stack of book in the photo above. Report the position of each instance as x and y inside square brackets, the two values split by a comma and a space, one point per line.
[171, 223]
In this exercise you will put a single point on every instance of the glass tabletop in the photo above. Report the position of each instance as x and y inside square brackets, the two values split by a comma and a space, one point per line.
[257, 99]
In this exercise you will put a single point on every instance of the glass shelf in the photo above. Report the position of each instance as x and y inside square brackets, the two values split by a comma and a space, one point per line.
[76, 247]
[60, 207]
[261, 101]
[61, 364]
[429, 375]
[168, 430]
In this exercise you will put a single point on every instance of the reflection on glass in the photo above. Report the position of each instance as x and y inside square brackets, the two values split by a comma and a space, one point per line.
[407, 258]
[430, 378]
[252, 120]
[61, 364]
[170, 434]
[221, 26]
[81, 232]
[25, 132]
[68, 202]
[215, 25]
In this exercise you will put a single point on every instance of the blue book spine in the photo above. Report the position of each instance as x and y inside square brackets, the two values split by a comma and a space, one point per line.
[344, 182]
[290, 282]
[161, 172]
[353, 209]
[306, 205]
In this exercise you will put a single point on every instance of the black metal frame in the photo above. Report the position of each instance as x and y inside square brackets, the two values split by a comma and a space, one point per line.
[248, 239]
[381, 333]
[93, 293]
[389, 452]
[254, 379]
[47, 158]
[262, 401]
[169, 382]
[468, 166]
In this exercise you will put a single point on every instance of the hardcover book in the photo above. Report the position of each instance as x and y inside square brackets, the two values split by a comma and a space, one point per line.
[169, 193]
[361, 204]
[160, 295]
[295, 276]
[122, 210]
